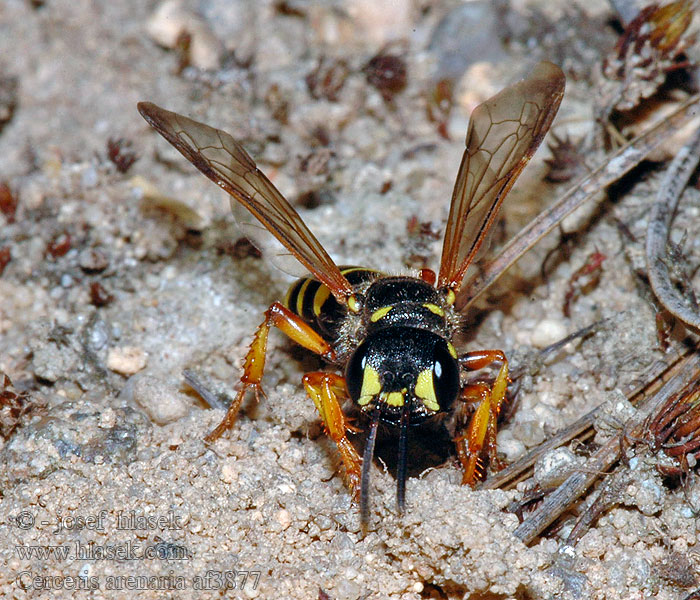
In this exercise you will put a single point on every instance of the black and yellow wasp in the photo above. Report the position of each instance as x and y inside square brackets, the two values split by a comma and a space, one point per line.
[390, 336]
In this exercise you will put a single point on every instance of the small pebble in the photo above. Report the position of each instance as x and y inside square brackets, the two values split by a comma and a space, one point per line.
[98, 335]
[127, 360]
[229, 471]
[283, 518]
[92, 260]
[108, 418]
[529, 433]
[468, 33]
[382, 22]
[555, 466]
[171, 20]
[89, 177]
[548, 332]
[512, 448]
[161, 401]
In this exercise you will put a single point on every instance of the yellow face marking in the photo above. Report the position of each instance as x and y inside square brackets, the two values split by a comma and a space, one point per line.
[379, 313]
[450, 298]
[451, 350]
[322, 294]
[370, 386]
[434, 308]
[395, 398]
[425, 390]
[300, 296]
[353, 304]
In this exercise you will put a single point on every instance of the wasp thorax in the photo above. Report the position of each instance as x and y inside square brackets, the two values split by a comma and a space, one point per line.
[398, 366]
[405, 301]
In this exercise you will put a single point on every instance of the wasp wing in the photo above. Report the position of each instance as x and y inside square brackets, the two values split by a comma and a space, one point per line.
[503, 134]
[223, 160]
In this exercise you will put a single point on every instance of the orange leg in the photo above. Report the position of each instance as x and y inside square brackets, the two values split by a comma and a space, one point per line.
[328, 390]
[482, 427]
[294, 327]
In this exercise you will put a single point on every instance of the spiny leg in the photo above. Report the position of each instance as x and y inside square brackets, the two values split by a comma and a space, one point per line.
[470, 442]
[296, 329]
[328, 390]
[483, 425]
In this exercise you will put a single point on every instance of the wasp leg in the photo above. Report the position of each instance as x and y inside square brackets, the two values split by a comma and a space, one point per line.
[295, 328]
[328, 390]
[482, 427]
[470, 443]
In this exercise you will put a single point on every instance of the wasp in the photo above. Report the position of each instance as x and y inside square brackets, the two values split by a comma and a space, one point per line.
[388, 338]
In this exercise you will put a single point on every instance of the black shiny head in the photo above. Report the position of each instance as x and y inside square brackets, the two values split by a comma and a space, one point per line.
[403, 370]
[402, 376]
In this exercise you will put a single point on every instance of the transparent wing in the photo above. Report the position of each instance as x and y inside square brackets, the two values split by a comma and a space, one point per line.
[224, 161]
[503, 134]
[271, 248]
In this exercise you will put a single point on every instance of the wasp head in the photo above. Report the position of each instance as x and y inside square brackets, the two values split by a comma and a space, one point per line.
[403, 369]
[402, 376]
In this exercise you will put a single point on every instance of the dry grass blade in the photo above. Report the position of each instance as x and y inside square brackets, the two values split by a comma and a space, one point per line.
[672, 426]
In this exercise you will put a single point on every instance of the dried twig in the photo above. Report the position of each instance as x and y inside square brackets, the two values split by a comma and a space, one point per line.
[675, 429]
[212, 398]
[582, 429]
[577, 483]
[662, 212]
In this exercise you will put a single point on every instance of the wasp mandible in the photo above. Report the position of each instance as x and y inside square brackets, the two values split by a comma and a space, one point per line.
[389, 338]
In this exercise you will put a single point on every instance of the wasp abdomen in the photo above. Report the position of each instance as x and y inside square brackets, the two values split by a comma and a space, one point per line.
[314, 302]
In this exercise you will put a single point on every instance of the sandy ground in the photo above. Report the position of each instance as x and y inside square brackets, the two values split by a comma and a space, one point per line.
[119, 281]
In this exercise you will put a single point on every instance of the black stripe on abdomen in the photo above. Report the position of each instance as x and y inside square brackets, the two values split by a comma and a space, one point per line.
[313, 301]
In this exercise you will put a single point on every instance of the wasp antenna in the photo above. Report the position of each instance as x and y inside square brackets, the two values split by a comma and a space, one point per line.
[401, 469]
[367, 457]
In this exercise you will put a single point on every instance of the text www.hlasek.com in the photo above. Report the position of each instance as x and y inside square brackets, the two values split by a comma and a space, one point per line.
[125, 551]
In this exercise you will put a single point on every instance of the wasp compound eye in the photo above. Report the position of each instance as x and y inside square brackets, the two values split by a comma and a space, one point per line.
[361, 379]
[445, 376]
